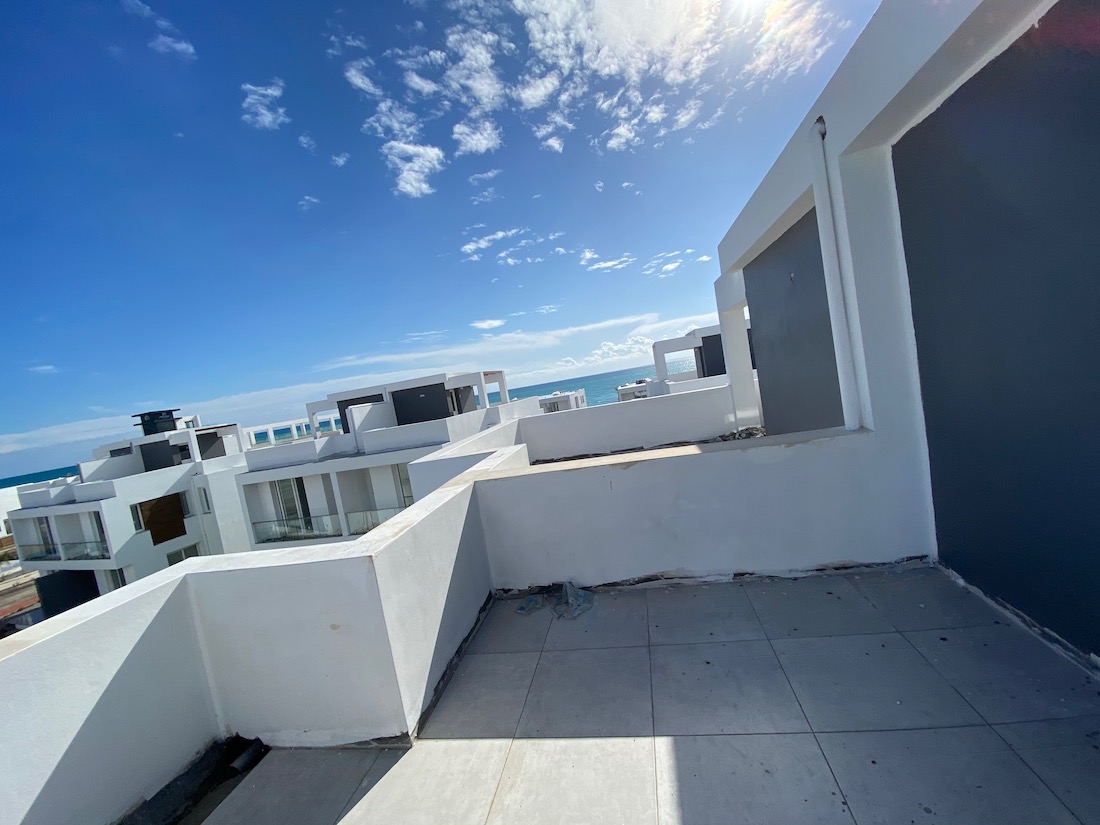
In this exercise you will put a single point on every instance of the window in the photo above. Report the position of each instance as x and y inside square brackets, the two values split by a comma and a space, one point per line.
[185, 504]
[204, 499]
[176, 556]
[121, 451]
[135, 514]
[184, 452]
[401, 479]
[116, 578]
[290, 498]
[283, 433]
[260, 437]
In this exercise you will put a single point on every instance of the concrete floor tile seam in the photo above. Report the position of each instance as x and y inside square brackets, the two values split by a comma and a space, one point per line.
[817, 742]
[1027, 765]
[652, 711]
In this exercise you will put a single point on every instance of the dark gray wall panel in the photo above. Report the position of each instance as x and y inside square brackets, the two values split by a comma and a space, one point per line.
[159, 454]
[998, 191]
[792, 338]
[211, 445]
[714, 359]
[64, 589]
[421, 404]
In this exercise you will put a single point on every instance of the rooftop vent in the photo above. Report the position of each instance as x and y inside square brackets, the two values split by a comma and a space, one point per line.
[157, 421]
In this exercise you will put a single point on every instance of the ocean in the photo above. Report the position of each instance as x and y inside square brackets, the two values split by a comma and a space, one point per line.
[41, 475]
[598, 389]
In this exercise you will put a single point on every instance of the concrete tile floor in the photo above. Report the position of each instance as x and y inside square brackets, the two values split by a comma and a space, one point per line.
[895, 696]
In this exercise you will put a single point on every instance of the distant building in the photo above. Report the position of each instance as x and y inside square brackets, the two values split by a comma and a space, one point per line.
[559, 401]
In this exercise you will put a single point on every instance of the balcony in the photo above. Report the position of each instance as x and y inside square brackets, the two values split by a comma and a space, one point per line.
[364, 521]
[85, 550]
[871, 697]
[297, 529]
[40, 552]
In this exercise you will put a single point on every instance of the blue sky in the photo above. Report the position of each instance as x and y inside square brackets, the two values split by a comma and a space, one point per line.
[235, 208]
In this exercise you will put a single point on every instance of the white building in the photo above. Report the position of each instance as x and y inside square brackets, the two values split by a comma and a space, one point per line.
[138, 506]
[560, 401]
[346, 482]
[944, 291]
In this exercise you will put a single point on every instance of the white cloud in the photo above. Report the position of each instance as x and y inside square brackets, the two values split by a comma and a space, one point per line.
[655, 113]
[340, 159]
[535, 92]
[703, 258]
[668, 269]
[634, 348]
[793, 36]
[623, 137]
[421, 84]
[43, 369]
[137, 8]
[476, 139]
[355, 74]
[599, 185]
[558, 251]
[587, 256]
[618, 263]
[628, 185]
[555, 144]
[485, 196]
[473, 78]
[307, 202]
[491, 323]
[170, 45]
[392, 121]
[687, 115]
[413, 164]
[260, 109]
[482, 177]
[488, 347]
[488, 240]
[162, 43]
[307, 143]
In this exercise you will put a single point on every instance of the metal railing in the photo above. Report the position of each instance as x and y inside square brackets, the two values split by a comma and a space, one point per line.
[40, 552]
[85, 550]
[363, 521]
[297, 529]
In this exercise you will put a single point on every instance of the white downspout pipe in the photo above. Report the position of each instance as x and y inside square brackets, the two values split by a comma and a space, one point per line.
[834, 286]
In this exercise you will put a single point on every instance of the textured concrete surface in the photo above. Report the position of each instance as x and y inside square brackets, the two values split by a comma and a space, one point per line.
[896, 696]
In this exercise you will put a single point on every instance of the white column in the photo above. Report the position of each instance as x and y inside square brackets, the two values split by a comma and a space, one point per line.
[735, 346]
[341, 511]
[660, 362]
[503, 384]
[482, 393]
[834, 284]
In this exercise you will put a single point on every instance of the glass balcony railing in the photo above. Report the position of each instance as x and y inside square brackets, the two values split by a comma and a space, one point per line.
[364, 521]
[40, 552]
[85, 550]
[297, 529]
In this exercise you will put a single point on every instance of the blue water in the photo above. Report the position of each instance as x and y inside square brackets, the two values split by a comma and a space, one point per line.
[41, 475]
[598, 389]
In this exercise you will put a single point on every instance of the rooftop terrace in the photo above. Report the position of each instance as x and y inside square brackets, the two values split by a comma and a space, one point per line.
[892, 695]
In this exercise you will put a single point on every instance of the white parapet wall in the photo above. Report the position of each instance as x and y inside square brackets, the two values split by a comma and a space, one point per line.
[310, 647]
[642, 423]
[759, 505]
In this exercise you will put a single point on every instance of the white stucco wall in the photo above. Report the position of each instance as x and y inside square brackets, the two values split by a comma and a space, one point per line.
[101, 706]
[649, 422]
[755, 506]
[433, 577]
[296, 647]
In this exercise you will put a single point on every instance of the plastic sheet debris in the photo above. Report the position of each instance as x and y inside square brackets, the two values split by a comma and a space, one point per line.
[531, 604]
[572, 602]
